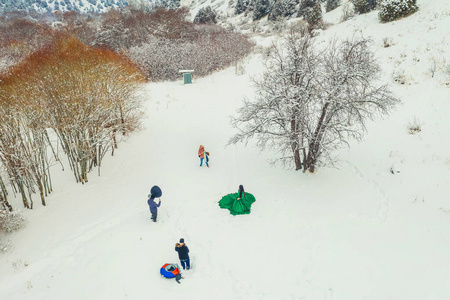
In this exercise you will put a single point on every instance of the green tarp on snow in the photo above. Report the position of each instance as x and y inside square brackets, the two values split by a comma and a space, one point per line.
[237, 207]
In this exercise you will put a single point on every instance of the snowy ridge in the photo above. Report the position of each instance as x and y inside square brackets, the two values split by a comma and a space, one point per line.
[84, 6]
[354, 232]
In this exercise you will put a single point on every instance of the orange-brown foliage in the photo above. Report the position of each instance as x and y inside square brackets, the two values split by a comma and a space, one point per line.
[66, 50]
[84, 94]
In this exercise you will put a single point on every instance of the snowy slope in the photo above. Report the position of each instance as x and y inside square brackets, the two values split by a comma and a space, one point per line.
[84, 6]
[222, 7]
[356, 232]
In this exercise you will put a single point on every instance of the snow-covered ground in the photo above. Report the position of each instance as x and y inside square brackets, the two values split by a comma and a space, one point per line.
[352, 232]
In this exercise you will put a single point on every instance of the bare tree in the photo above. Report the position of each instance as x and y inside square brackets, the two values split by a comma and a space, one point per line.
[309, 103]
[23, 141]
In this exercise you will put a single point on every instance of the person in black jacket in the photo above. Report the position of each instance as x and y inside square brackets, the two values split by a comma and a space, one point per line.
[183, 251]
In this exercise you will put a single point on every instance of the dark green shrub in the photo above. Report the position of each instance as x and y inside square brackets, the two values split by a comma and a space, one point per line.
[206, 15]
[332, 4]
[391, 10]
[313, 16]
[282, 8]
[261, 9]
[242, 6]
[304, 6]
[364, 6]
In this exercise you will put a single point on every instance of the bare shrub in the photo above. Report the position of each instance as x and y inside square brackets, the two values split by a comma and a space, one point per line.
[433, 68]
[5, 246]
[10, 221]
[399, 76]
[387, 42]
[415, 126]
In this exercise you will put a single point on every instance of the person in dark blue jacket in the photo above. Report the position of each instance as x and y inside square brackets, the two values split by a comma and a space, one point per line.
[155, 192]
[183, 251]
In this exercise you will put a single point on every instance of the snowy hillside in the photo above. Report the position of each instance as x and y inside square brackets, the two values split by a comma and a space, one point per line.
[99, 6]
[358, 231]
[220, 6]
[85, 6]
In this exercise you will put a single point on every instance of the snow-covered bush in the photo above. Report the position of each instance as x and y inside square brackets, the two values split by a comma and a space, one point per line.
[391, 10]
[10, 221]
[447, 70]
[415, 126]
[364, 6]
[242, 6]
[399, 76]
[206, 15]
[305, 6]
[4, 246]
[282, 8]
[332, 4]
[277, 26]
[348, 11]
[433, 68]
[313, 16]
[240, 68]
[261, 9]
[387, 42]
[169, 4]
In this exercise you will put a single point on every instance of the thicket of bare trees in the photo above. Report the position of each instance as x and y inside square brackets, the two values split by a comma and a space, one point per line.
[162, 42]
[215, 49]
[19, 38]
[83, 96]
[310, 102]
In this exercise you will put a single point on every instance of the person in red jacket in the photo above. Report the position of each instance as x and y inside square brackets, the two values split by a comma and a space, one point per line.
[203, 155]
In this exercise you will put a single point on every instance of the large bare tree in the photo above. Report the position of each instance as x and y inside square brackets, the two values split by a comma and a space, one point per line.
[310, 102]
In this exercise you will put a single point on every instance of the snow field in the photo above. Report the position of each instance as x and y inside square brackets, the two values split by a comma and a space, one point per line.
[355, 232]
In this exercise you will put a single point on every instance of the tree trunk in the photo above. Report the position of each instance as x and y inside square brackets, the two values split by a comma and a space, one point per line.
[304, 160]
[41, 189]
[314, 146]
[3, 189]
[5, 203]
[26, 204]
[114, 140]
[298, 162]
[294, 143]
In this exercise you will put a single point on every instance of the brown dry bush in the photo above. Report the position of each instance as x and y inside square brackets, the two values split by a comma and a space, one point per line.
[19, 38]
[83, 95]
